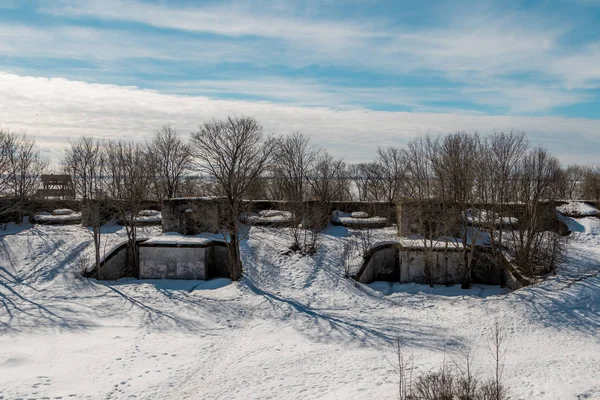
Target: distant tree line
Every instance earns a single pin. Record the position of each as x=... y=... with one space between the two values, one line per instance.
x=449 y=175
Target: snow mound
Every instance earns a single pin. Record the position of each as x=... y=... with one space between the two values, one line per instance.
x=272 y=213
x=63 y=211
x=149 y=217
x=175 y=239
x=478 y=217
x=48 y=218
x=578 y=209
x=362 y=221
x=148 y=213
x=267 y=217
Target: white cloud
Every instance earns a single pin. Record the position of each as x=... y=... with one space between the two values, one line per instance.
x=227 y=19
x=54 y=110
x=86 y=43
x=479 y=47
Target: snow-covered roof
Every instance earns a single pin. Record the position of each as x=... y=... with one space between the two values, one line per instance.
x=578 y=209
x=174 y=240
x=47 y=217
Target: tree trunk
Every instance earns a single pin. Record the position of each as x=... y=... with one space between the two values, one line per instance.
x=235 y=262
x=466 y=283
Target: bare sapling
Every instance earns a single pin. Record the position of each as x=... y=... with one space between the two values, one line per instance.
x=402 y=367
x=365 y=240
x=498 y=345
x=347 y=256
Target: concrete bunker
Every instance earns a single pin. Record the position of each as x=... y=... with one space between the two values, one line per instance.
x=166 y=257
x=438 y=265
x=179 y=257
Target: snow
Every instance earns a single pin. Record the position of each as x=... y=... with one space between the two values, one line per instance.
x=419 y=243
x=178 y=239
x=356 y=218
x=148 y=217
x=268 y=217
x=57 y=217
x=578 y=209
x=294 y=327
x=62 y=211
x=477 y=216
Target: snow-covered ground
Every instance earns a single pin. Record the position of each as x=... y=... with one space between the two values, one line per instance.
x=293 y=328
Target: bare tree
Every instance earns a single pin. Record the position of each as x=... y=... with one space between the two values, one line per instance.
x=170 y=158
x=505 y=151
x=129 y=186
x=20 y=169
x=591 y=183
x=467 y=384
x=327 y=179
x=294 y=159
x=403 y=367
x=5 y=150
x=535 y=247
x=25 y=165
x=456 y=164
x=234 y=153
x=359 y=179
x=420 y=173
x=498 y=346
x=85 y=161
x=391 y=163
x=328 y=182
x=573 y=177
x=367 y=180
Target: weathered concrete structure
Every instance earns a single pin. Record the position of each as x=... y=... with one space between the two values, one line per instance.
x=381 y=264
x=430 y=217
x=115 y=265
x=195 y=215
x=192 y=215
x=434 y=267
x=158 y=261
x=438 y=265
x=167 y=257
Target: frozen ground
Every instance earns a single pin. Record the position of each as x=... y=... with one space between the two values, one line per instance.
x=294 y=328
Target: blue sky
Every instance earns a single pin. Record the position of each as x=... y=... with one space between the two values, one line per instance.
x=407 y=60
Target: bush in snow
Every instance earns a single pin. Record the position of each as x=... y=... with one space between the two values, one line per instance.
x=452 y=381
x=82 y=263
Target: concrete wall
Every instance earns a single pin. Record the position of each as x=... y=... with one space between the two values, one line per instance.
x=205 y=214
x=31 y=206
x=439 y=268
x=510 y=281
x=317 y=213
x=114 y=265
x=191 y=215
x=393 y=263
x=424 y=218
x=35 y=205
x=159 y=262
x=166 y=261
x=412 y=215
x=217 y=261
x=382 y=266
